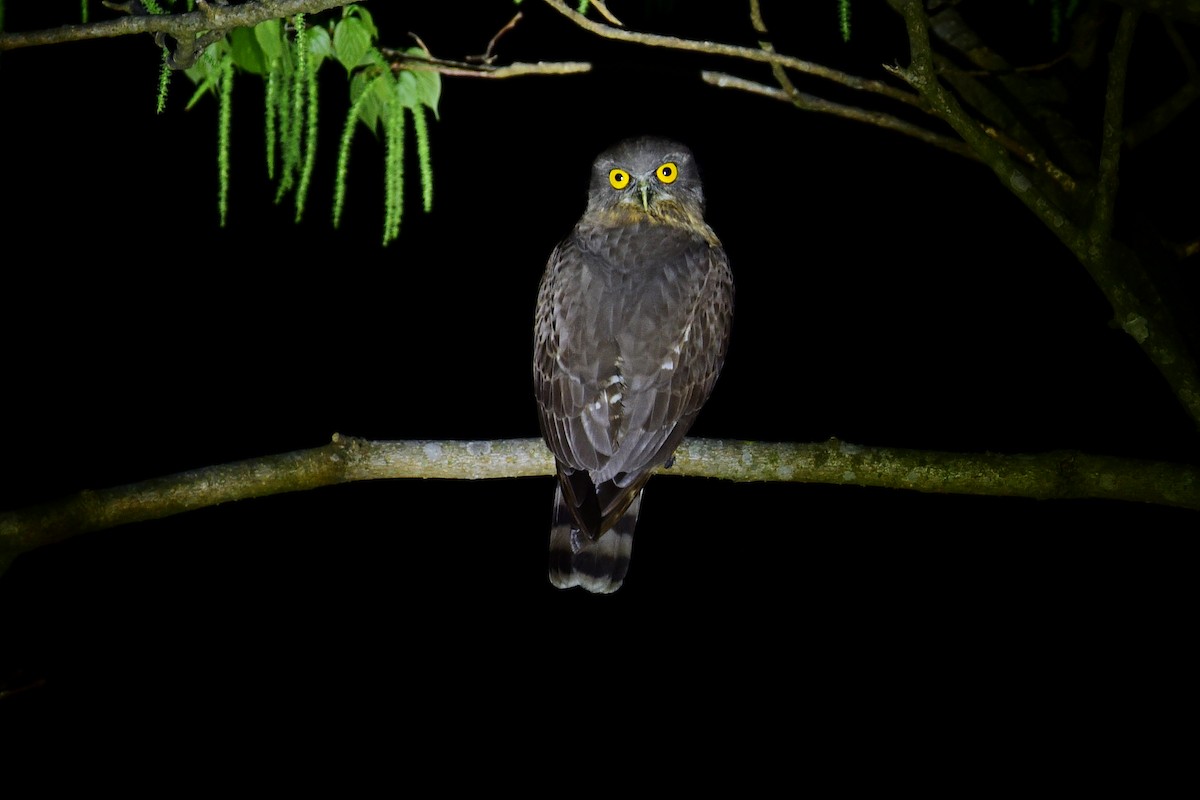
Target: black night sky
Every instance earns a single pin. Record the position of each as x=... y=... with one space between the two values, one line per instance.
x=888 y=294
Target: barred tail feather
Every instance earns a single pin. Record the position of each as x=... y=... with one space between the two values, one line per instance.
x=598 y=566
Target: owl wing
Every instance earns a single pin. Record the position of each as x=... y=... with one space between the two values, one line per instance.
x=632 y=328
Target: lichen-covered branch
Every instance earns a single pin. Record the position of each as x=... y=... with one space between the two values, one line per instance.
x=207 y=17
x=1055 y=475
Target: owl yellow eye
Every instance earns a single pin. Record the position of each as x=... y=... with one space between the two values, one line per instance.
x=619 y=178
x=668 y=172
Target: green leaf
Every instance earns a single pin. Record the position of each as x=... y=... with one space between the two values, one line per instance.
x=246 y=53
x=269 y=36
x=406 y=90
x=320 y=46
x=429 y=83
x=354 y=10
x=351 y=41
x=377 y=90
x=206 y=72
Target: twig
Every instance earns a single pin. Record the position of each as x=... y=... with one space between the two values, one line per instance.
x=760 y=28
x=808 y=102
x=1036 y=160
x=734 y=51
x=992 y=73
x=602 y=7
x=400 y=59
x=489 y=55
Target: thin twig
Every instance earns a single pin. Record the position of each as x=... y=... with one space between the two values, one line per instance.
x=1037 y=160
x=602 y=7
x=734 y=51
x=992 y=73
x=401 y=60
x=808 y=102
x=760 y=28
x=489 y=55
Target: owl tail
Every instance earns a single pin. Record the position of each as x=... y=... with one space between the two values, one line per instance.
x=598 y=566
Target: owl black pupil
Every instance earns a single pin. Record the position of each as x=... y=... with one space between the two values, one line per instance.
x=666 y=171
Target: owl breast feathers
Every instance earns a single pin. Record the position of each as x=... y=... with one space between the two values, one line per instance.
x=632 y=324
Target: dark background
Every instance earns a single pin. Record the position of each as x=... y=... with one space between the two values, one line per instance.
x=888 y=294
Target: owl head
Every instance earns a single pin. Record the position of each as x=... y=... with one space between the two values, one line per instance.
x=646 y=174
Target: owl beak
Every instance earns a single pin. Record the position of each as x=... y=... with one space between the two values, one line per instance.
x=644 y=191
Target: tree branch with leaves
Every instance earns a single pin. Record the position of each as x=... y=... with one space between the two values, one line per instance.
x=946 y=97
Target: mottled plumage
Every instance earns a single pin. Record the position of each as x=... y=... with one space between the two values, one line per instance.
x=632 y=323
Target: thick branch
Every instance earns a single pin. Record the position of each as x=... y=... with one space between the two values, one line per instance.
x=179 y=26
x=1056 y=475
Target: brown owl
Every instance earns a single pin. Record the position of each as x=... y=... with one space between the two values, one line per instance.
x=632 y=323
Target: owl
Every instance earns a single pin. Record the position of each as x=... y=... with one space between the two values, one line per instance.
x=630 y=332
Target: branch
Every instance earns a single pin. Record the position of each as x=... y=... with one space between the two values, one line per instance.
x=788 y=92
x=921 y=75
x=1054 y=475
x=482 y=66
x=808 y=102
x=760 y=28
x=467 y=69
x=1137 y=307
x=1182 y=99
x=1112 y=133
x=734 y=51
x=179 y=26
x=1004 y=95
x=1186 y=10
